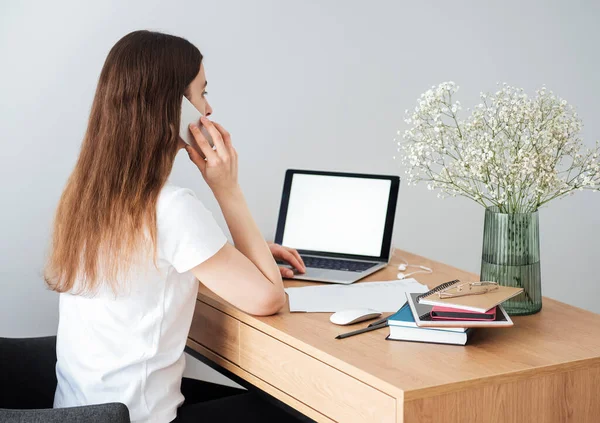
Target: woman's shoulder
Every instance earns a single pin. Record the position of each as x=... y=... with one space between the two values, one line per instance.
x=174 y=199
x=170 y=191
x=171 y=194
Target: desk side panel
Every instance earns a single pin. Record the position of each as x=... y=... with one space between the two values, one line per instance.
x=560 y=397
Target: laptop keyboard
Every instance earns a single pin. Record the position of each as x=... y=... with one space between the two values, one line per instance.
x=337 y=264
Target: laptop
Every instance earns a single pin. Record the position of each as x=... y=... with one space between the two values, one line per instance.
x=340 y=223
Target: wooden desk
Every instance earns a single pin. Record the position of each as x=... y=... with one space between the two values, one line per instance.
x=544 y=369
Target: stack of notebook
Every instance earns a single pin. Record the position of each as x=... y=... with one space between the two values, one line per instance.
x=429 y=318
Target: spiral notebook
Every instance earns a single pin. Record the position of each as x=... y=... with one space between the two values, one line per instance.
x=478 y=303
x=422 y=315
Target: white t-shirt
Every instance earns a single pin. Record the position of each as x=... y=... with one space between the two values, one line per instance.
x=129 y=348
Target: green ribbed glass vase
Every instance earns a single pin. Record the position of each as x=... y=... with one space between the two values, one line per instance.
x=511 y=257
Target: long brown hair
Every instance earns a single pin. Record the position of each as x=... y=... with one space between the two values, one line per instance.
x=107 y=212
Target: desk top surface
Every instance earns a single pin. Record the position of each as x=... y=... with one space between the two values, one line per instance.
x=559 y=337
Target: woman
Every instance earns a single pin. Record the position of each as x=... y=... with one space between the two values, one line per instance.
x=128 y=246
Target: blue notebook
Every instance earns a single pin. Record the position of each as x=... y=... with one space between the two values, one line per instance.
x=404 y=318
x=431 y=336
x=403 y=328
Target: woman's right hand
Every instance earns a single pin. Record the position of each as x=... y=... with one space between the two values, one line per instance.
x=220 y=168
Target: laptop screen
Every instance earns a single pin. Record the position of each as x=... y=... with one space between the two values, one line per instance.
x=337 y=214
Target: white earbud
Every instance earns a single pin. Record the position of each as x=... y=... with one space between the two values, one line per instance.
x=402 y=267
x=406 y=275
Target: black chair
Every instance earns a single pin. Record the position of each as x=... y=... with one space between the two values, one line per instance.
x=28 y=382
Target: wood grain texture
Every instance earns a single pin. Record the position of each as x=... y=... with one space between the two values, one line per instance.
x=560 y=397
x=259 y=383
x=216 y=331
x=560 y=340
x=335 y=394
x=557 y=337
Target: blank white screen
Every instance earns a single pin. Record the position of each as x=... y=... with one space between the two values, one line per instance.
x=337 y=214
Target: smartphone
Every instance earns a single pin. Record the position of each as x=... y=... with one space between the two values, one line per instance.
x=189 y=114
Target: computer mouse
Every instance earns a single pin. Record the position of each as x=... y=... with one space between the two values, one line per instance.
x=348 y=317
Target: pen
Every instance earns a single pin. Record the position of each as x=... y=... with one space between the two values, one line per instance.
x=363 y=330
x=378 y=322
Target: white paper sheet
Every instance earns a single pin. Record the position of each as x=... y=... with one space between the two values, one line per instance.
x=381 y=296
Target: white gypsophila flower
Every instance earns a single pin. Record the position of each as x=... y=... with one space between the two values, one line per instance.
x=513 y=152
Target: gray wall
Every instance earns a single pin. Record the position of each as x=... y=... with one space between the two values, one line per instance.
x=312 y=84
